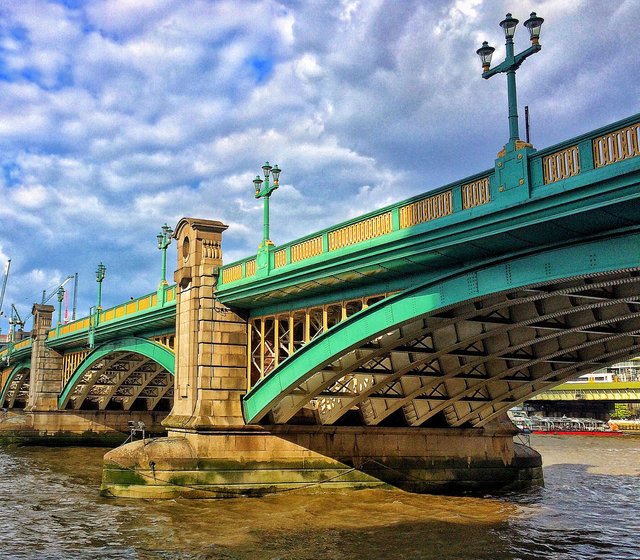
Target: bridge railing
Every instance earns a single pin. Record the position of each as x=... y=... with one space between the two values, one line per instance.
x=452 y=198
x=595 y=150
x=12 y=348
x=130 y=308
x=556 y=166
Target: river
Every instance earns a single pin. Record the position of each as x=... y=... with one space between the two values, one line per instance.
x=590 y=509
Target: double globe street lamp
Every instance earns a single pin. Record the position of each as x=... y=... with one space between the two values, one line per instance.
x=510 y=64
x=263 y=190
x=102 y=269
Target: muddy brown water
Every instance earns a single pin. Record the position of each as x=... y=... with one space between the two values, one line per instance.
x=590 y=508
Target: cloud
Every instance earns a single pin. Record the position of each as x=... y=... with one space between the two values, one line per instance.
x=117 y=116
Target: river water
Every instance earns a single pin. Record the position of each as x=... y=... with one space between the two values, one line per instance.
x=589 y=509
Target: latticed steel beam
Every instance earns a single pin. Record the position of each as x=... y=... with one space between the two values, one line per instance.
x=537 y=386
x=485 y=383
x=147 y=378
x=162 y=393
x=285 y=412
x=556 y=358
x=82 y=390
x=119 y=380
x=22 y=377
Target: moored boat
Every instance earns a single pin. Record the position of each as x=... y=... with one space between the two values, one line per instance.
x=564 y=426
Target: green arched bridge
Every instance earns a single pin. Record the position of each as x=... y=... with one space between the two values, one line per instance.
x=442 y=310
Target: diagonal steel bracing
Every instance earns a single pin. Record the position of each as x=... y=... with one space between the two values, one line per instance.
x=397 y=344
x=470 y=360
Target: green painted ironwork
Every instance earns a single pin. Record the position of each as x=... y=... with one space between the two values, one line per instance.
x=614 y=253
x=509 y=66
x=520 y=194
x=99 y=278
x=16 y=369
x=164 y=240
x=141 y=346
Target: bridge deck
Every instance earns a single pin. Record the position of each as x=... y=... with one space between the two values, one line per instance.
x=555 y=195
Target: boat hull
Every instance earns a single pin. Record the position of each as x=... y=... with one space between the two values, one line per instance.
x=576 y=433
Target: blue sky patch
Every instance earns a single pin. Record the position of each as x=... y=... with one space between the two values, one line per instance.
x=261 y=67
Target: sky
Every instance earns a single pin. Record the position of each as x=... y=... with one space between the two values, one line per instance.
x=117 y=116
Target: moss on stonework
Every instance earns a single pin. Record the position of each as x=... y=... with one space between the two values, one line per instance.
x=231 y=465
x=61 y=439
x=115 y=474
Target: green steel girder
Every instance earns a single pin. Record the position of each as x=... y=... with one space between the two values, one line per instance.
x=300 y=375
x=150 y=322
x=17 y=355
x=404 y=259
x=515 y=221
x=143 y=347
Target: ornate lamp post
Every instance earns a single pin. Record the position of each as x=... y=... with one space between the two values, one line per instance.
x=164 y=240
x=99 y=278
x=60 y=299
x=510 y=64
x=264 y=192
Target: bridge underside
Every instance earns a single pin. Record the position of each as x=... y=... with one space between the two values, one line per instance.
x=469 y=363
x=130 y=374
x=16 y=394
x=466 y=363
x=123 y=381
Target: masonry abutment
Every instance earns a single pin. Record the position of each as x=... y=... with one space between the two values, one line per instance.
x=45 y=382
x=211 y=340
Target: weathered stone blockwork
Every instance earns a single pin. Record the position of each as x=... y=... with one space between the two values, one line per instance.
x=46 y=364
x=256 y=461
x=211 y=340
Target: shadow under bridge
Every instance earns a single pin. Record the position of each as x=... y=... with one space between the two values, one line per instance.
x=128 y=374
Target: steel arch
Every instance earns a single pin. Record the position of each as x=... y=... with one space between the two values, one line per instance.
x=306 y=374
x=151 y=350
x=17 y=369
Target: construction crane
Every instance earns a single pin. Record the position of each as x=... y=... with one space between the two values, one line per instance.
x=4 y=285
x=46 y=298
x=15 y=317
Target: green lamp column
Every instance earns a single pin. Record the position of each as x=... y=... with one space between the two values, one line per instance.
x=509 y=66
x=60 y=300
x=263 y=190
x=99 y=278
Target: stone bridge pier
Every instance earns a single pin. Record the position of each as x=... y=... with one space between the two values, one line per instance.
x=211 y=452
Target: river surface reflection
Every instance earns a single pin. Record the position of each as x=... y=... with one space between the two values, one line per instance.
x=50 y=508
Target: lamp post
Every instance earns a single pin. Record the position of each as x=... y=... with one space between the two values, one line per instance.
x=510 y=64
x=164 y=240
x=99 y=278
x=60 y=299
x=264 y=192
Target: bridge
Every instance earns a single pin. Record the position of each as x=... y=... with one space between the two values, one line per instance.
x=614 y=392
x=385 y=349
x=109 y=368
x=595 y=397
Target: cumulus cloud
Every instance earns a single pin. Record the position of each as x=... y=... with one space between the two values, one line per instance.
x=117 y=116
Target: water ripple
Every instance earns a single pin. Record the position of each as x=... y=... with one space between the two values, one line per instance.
x=50 y=509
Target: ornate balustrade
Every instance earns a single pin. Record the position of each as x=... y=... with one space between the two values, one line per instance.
x=590 y=152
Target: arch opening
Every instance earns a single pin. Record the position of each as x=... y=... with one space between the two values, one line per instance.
x=128 y=375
